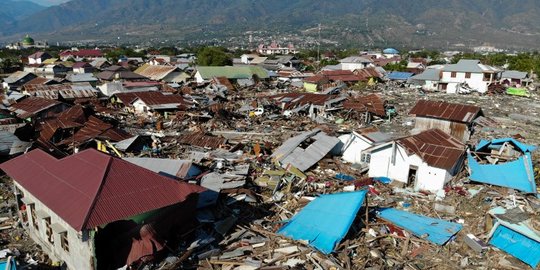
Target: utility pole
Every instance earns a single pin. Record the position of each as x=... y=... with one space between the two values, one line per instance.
x=319 y=45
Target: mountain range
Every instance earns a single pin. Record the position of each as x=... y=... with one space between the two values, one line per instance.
x=12 y=11
x=506 y=23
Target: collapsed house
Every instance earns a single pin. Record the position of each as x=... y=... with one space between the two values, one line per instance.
x=503 y=162
x=425 y=161
x=454 y=119
x=516 y=232
x=94 y=211
x=304 y=150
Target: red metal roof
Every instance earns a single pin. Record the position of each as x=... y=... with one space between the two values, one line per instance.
x=90 y=188
x=447 y=111
x=435 y=147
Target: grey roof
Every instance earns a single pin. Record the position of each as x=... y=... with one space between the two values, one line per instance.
x=290 y=151
x=84 y=77
x=125 y=144
x=355 y=59
x=469 y=65
x=428 y=75
x=378 y=137
x=214 y=182
x=11 y=145
x=174 y=168
x=514 y=74
x=16 y=76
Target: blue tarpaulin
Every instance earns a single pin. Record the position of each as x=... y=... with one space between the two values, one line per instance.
x=517 y=245
x=326 y=220
x=8 y=264
x=517 y=174
x=437 y=231
x=399 y=76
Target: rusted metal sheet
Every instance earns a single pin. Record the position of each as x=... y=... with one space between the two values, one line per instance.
x=202 y=140
x=32 y=105
x=448 y=111
x=435 y=147
x=371 y=103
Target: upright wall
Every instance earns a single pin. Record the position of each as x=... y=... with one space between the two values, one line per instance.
x=80 y=254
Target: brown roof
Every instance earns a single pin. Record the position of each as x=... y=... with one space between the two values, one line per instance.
x=91 y=188
x=31 y=106
x=70 y=118
x=371 y=103
x=202 y=140
x=435 y=147
x=447 y=111
x=95 y=128
x=38 y=80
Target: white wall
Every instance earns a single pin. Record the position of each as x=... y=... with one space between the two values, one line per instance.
x=476 y=81
x=352 y=66
x=198 y=77
x=353 y=147
x=80 y=252
x=427 y=177
x=139 y=106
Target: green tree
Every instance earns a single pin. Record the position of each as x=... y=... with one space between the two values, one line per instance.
x=213 y=56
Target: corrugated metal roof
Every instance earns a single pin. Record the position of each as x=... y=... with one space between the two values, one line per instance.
x=169 y=167
x=469 y=65
x=10 y=144
x=371 y=103
x=202 y=140
x=32 y=105
x=90 y=188
x=303 y=157
x=435 y=147
x=16 y=76
x=154 y=72
x=67 y=91
x=95 y=128
x=447 y=111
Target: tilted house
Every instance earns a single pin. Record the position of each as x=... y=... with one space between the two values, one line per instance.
x=425 y=161
x=94 y=211
x=454 y=119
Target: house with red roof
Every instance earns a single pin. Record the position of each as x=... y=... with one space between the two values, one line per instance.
x=94 y=211
x=80 y=55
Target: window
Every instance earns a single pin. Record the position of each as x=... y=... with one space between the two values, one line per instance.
x=48 y=229
x=64 y=241
x=34 y=216
x=467 y=75
x=453 y=74
x=366 y=158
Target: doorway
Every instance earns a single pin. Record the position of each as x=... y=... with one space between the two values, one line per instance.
x=411 y=178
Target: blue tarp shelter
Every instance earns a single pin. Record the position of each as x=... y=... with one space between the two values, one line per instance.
x=435 y=230
x=517 y=174
x=326 y=220
x=516 y=238
x=399 y=76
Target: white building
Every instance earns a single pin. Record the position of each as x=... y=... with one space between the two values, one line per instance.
x=38 y=58
x=425 y=161
x=355 y=143
x=275 y=48
x=468 y=75
x=353 y=63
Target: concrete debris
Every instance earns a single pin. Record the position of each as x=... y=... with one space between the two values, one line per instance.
x=339 y=178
